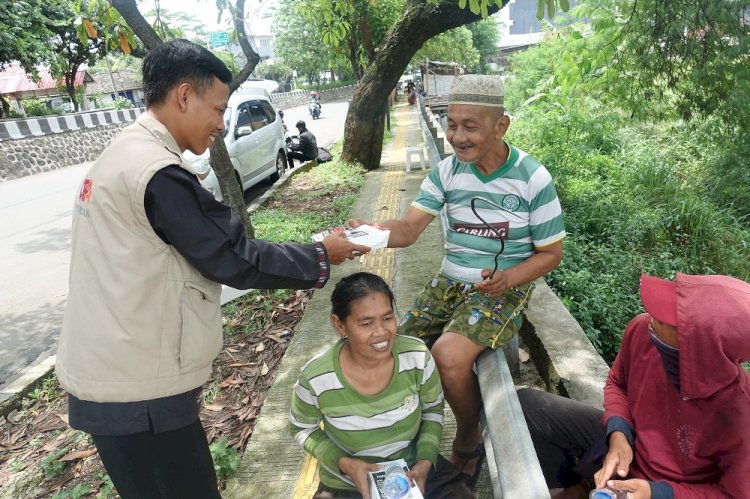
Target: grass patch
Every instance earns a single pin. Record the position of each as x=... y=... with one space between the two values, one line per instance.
x=319 y=198
x=636 y=198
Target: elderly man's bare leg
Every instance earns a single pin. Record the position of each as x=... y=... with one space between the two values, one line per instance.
x=454 y=355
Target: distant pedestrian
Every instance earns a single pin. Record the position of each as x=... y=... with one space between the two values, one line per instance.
x=304 y=150
x=150 y=248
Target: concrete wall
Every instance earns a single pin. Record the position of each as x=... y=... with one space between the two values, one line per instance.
x=38 y=145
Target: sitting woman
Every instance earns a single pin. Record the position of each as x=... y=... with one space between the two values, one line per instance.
x=379 y=398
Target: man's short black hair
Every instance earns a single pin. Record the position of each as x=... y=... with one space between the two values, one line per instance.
x=180 y=61
x=301 y=124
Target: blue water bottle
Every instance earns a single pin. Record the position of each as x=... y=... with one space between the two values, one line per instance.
x=607 y=493
x=396 y=484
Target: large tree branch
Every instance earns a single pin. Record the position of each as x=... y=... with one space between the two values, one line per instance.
x=363 y=132
x=129 y=11
x=251 y=56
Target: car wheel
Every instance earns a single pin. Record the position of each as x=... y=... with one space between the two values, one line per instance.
x=280 y=167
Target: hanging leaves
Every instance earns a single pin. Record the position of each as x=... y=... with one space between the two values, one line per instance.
x=124 y=45
x=89 y=26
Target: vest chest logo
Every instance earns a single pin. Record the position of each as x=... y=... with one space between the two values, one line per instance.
x=84 y=196
x=86 y=188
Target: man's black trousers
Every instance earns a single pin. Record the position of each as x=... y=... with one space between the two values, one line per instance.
x=569 y=439
x=173 y=464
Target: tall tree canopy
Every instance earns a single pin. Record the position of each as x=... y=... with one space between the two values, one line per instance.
x=452 y=46
x=25 y=31
x=695 y=53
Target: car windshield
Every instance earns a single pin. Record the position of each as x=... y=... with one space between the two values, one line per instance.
x=227 y=121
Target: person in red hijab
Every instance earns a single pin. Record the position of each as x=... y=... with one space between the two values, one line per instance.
x=676 y=420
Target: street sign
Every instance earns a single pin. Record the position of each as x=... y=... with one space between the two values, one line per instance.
x=218 y=39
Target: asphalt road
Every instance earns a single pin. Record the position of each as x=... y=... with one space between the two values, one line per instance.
x=35 y=218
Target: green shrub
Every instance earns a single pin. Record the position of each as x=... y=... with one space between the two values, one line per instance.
x=37 y=107
x=636 y=198
x=122 y=103
x=225 y=458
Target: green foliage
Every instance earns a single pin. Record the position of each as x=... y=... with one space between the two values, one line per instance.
x=481 y=6
x=293 y=36
x=25 y=32
x=280 y=225
x=107 y=489
x=455 y=45
x=484 y=38
x=693 y=56
x=37 y=107
x=50 y=464
x=122 y=103
x=225 y=458
x=331 y=85
x=637 y=196
x=80 y=490
x=277 y=71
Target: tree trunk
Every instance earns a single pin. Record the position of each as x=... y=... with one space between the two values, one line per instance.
x=129 y=11
x=363 y=131
x=220 y=161
x=5 y=110
x=70 y=86
x=353 y=59
x=229 y=184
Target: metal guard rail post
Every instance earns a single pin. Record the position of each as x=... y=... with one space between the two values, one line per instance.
x=512 y=461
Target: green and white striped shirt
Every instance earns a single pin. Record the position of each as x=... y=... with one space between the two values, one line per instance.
x=405 y=421
x=531 y=217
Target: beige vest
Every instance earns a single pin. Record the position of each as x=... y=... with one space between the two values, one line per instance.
x=140 y=321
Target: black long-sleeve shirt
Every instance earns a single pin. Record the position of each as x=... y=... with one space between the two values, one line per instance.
x=308 y=145
x=209 y=236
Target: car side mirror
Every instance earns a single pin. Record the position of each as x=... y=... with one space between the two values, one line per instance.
x=243 y=131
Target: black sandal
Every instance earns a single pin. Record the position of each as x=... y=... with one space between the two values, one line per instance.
x=478 y=454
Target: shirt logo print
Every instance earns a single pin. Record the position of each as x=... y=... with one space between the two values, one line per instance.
x=686 y=439
x=410 y=403
x=511 y=202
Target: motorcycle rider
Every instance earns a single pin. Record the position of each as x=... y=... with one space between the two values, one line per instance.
x=314 y=99
x=306 y=149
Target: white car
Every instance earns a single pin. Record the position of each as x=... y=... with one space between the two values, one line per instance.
x=254 y=135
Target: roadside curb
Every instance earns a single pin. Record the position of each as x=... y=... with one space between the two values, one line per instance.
x=30 y=378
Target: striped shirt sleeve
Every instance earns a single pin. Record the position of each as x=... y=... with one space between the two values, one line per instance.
x=432 y=402
x=305 y=418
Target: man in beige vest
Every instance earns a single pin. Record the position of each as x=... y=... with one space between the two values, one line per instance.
x=150 y=251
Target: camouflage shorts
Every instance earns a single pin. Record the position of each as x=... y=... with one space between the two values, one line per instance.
x=445 y=305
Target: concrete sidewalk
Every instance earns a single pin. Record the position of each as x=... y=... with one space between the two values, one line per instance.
x=274 y=465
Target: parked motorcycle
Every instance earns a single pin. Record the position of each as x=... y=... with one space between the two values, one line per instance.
x=314 y=109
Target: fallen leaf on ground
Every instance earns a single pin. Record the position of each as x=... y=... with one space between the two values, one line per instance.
x=79 y=454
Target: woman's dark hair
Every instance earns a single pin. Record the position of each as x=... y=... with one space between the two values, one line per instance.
x=180 y=61
x=354 y=287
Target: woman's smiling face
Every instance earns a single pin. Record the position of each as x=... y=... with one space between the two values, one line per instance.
x=370 y=326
